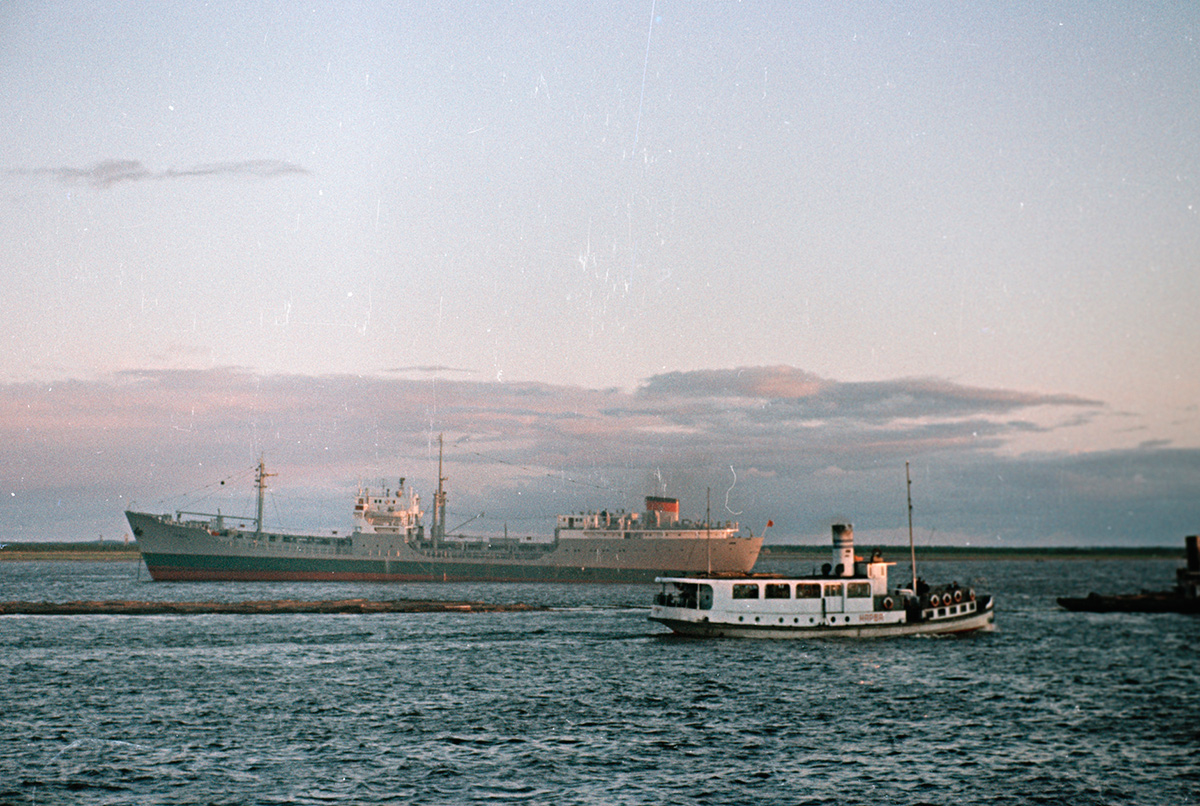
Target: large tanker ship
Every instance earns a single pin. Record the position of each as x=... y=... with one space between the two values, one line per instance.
x=389 y=542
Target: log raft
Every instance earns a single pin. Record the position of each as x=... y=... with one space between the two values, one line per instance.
x=274 y=606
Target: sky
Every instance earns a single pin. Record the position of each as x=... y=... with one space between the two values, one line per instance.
x=756 y=255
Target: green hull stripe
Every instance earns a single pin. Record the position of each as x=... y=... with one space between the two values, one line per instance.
x=241 y=567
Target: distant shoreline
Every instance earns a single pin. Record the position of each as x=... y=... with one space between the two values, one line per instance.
x=983 y=554
x=122 y=552
x=90 y=552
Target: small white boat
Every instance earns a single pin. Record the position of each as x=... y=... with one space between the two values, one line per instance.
x=850 y=598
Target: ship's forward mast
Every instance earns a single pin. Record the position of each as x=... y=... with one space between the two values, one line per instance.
x=260 y=483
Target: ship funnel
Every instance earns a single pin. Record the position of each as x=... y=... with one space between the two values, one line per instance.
x=1193 y=553
x=661 y=511
x=843 y=549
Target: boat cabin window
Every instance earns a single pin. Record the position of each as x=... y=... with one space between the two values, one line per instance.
x=833 y=590
x=778 y=590
x=858 y=590
x=686 y=594
x=745 y=590
x=808 y=590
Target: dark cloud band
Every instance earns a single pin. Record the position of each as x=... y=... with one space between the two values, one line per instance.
x=800 y=446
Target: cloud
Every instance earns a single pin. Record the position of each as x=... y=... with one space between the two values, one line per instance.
x=769 y=442
x=107 y=173
x=871 y=401
x=769 y=415
x=430 y=369
x=776 y=383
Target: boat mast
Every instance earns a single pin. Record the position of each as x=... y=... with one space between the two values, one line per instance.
x=439 y=502
x=708 y=528
x=261 y=483
x=912 y=549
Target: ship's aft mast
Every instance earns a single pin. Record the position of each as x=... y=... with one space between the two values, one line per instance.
x=260 y=482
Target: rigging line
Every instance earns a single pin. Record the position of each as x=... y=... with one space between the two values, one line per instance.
x=548 y=475
x=278 y=515
x=502 y=518
x=211 y=488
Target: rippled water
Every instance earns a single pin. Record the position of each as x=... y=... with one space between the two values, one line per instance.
x=590 y=702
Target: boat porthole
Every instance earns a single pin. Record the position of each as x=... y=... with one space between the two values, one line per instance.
x=781 y=621
x=741 y=618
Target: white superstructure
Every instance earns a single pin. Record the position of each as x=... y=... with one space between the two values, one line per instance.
x=387 y=511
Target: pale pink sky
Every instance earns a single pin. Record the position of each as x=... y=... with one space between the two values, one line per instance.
x=595 y=198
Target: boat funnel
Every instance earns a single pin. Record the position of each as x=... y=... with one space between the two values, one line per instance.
x=1193 y=553
x=843 y=549
x=661 y=511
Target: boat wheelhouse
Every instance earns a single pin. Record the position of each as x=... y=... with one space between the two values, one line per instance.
x=850 y=598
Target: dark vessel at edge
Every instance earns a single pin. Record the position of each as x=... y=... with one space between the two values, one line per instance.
x=1184 y=598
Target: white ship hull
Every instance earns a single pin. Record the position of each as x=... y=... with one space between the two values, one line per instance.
x=862 y=625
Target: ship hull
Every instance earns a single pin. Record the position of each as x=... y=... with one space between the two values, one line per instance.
x=176 y=568
x=1132 y=603
x=182 y=552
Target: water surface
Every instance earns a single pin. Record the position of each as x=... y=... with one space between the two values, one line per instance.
x=590 y=702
